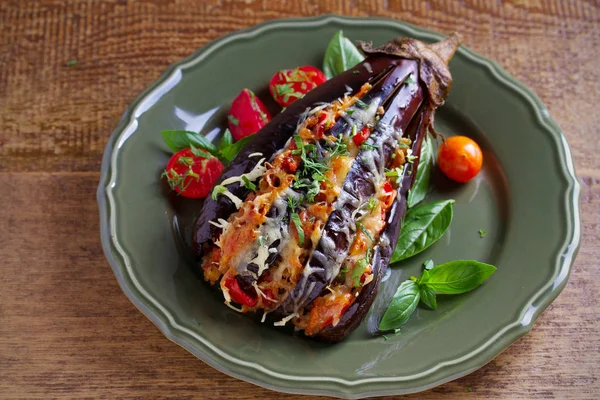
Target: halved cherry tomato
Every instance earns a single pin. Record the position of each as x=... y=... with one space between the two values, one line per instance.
x=238 y=295
x=247 y=115
x=460 y=158
x=361 y=136
x=289 y=85
x=192 y=173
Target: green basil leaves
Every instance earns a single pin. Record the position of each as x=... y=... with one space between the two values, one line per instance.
x=341 y=55
x=226 y=151
x=458 y=276
x=423 y=179
x=402 y=306
x=450 y=278
x=423 y=226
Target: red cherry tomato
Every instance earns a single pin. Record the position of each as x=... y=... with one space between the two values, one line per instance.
x=289 y=85
x=361 y=136
x=247 y=115
x=238 y=295
x=192 y=175
x=460 y=158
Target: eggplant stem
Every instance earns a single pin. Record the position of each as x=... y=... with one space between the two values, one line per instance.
x=447 y=47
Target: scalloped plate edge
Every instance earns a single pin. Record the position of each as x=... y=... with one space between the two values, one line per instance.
x=176 y=333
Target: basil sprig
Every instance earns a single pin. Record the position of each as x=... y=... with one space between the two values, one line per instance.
x=341 y=55
x=454 y=277
x=225 y=151
x=423 y=226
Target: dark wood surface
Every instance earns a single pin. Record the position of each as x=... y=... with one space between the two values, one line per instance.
x=67 y=330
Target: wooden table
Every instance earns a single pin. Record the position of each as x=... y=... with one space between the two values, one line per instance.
x=67 y=330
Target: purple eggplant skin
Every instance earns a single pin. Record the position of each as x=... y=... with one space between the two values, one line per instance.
x=272 y=138
x=401 y=106
x=382 y=253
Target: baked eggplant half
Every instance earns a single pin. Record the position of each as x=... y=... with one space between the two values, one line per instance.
x=302 y=224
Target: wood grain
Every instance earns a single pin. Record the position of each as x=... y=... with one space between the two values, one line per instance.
x=67 y=330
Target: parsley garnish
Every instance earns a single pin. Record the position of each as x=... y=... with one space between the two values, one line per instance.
x=72 y=63
x=246 y=182
x=367 y=146
x=409 y=80
x=360 y=267
x=298 y=224
x=217 y=191
x=361 y=104
x=371 y=204
x=396 y=173
x=233 y=120
x=365 y=231
x=482 y=233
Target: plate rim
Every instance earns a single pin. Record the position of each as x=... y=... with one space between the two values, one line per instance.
x=475 y=359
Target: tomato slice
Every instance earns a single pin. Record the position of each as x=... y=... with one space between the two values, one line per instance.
x=247 y=115
x=192 y=173
x=288 y=85
x=238 y=295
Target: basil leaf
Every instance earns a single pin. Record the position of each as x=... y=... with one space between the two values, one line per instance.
x=226 y=140
x=341 y=55
x=428 y=296
x=401 y=307
x=179 y=140
x=423 y=226
x=228 y=153
x=423 y=179
x=458 y=276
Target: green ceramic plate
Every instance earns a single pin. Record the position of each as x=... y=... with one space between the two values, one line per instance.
x=526 y=198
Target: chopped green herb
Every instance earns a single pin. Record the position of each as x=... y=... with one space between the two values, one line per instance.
x=294 y=202
x=298 y=224
x=365 y=231
x=246 y=183
x=233 y=120
x=482 y=233
x=187 y=161
x=217 y=191
x=469 y=389
x=361 y=104
x=409 y=80
x=354 y=130
x=72 y=63
x=396 y=173
x=356 y=72
x=367 y=146
x=371 y=204
x=350 y=111
x=384 y=337
x=360 y=267
x=261 y=240
x=199 y=153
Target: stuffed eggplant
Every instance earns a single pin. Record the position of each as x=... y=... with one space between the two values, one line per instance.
x=303 y=222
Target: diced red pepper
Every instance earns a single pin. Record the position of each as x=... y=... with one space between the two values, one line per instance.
x=387 y=187
x=238 y=295
x=361 y=136
x=290 y=165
